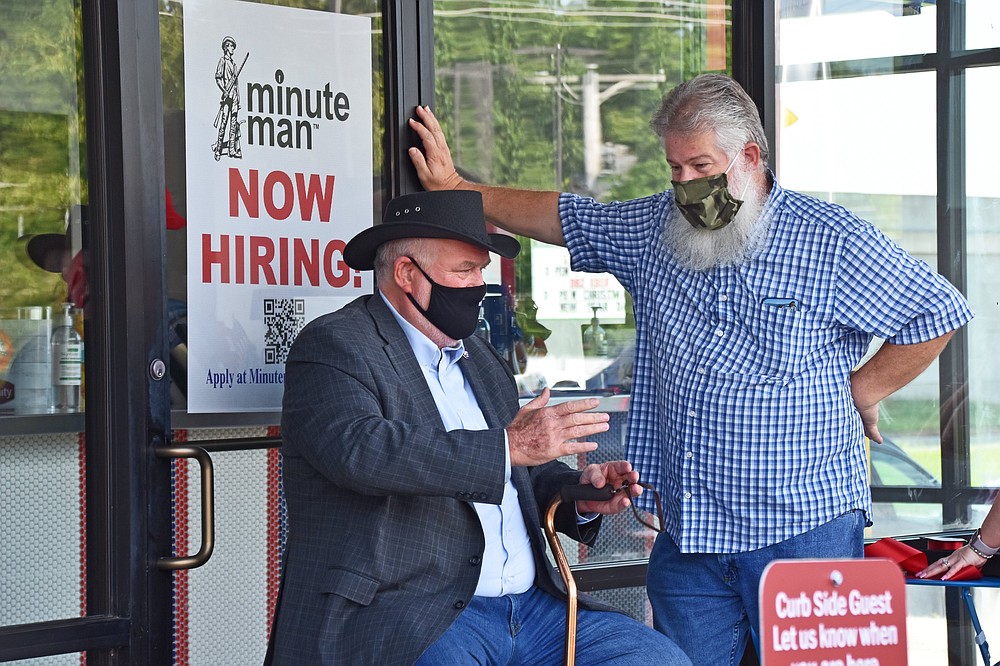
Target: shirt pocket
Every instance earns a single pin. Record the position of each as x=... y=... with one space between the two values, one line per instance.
x=784 y=329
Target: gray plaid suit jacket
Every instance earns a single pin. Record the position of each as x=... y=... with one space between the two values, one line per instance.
x=384 y=547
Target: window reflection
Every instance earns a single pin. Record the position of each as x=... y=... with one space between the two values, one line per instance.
x=42 y=210
x=558 y=98
x=43 y=265
x=983 y=210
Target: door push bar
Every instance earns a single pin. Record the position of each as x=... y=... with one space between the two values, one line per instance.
x=207 y=508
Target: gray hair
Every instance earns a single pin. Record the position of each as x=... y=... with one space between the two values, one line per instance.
x=388 y=252
x=715 y=103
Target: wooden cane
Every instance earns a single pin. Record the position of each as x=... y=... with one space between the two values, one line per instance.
x=570 y=494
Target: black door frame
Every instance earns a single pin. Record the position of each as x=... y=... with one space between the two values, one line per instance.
x=129 y=514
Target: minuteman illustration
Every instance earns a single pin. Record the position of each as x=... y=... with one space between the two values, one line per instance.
x=227 y=76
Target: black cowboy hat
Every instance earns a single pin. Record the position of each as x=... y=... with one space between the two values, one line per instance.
x=453 y=214
x=47 y=251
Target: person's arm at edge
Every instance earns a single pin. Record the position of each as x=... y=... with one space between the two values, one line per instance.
x=949 y=566
x=525 y=212
x=990 y=531
x=890 y=369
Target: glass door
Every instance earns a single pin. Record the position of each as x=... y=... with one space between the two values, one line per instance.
x=251 y=62
x=83 y=397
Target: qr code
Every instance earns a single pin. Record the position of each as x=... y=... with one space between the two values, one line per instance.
x=283 y=319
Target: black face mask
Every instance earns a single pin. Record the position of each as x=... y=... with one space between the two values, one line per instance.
x=453 y=310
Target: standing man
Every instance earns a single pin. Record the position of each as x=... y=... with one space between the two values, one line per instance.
x=753 y=307
x=227 y=119
x=414 y=483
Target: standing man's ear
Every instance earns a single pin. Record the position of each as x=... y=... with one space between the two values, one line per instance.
x=751 y=152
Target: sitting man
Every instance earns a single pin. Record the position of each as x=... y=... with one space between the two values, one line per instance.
x=415 y=484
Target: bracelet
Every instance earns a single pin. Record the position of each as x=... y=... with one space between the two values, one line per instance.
x=979 y=547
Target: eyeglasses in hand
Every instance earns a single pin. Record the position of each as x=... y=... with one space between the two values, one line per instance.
x=641 y=515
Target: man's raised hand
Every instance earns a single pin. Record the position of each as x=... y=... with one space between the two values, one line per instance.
x=434 y=165
x=540 y=432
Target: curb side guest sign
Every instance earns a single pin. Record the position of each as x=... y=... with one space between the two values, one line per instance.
x=278 y=124
x=833 y=613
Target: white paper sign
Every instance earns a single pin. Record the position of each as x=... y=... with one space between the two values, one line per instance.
x=279 y=177
x=561 y=293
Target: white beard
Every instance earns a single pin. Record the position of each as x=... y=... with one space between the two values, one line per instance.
x=702 y=249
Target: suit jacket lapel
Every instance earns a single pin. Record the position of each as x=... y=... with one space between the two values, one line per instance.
x=476 y=368
x=400 y=354
x=475 y=374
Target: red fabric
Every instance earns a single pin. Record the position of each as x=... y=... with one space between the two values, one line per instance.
x=75 y=275
x=174 y=219
x=944 y=544
x=911 y=560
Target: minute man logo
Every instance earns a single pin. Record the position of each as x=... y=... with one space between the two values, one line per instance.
x=278 y=115
x=227 y=78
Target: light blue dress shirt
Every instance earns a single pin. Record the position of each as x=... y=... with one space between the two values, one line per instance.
x=508 y=564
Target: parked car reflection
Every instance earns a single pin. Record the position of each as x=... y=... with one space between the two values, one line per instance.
x=892 y=467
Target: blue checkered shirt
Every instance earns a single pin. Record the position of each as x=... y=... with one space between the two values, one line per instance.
x=741 y=412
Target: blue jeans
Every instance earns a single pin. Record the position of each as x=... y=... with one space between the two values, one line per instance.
x=707 y=602
x=530 y=628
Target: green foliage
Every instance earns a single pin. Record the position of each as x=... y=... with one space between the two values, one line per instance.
x=42 y=137
x=508 y=89
x=508 y=81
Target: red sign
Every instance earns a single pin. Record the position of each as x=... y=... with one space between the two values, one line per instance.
x=6 y=351
x=833 y=613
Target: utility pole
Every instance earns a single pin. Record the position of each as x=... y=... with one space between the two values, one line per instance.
x=593 y=97
x=558 y=123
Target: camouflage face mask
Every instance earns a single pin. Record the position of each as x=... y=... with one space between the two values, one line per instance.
x=707 y=202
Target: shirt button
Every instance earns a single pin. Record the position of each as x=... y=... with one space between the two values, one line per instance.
x=687 y=495
x=719 y=332
x=701 y=371
x=723 y=297
x=474 y=560
x=689 y=455
x=459 y=605
x=692 y=413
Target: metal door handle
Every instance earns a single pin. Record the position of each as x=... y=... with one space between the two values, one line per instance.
x=207 y=508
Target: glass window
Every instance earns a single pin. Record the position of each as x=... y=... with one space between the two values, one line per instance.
x=817 y=35
x=865 y=139
x=982 y=89
x=558 y=96
x=172 y=54
x=982 y=24
x=841 y=140
x=853 y=128
x=42 y=209
x=43 y=233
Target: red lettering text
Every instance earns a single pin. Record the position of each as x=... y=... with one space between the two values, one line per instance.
x=282 y=261
x=280 y=195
